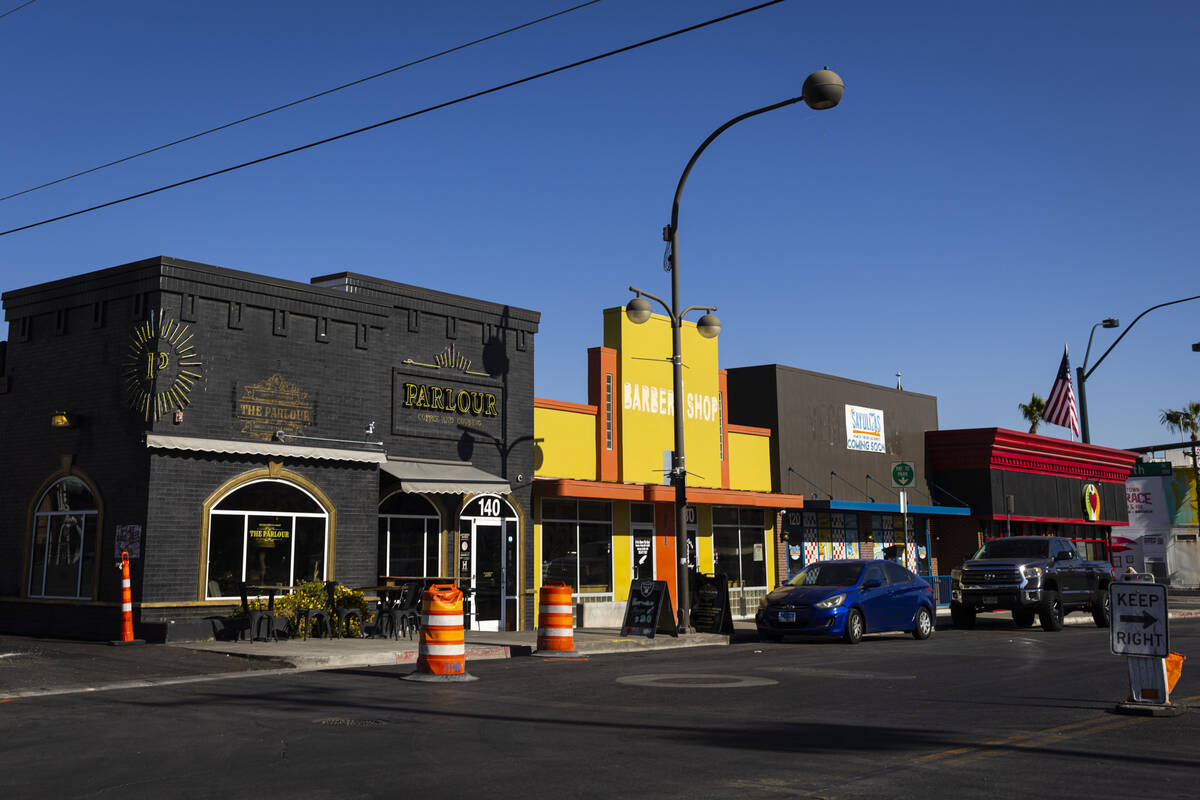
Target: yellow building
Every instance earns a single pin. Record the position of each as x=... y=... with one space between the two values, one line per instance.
x=603 y=506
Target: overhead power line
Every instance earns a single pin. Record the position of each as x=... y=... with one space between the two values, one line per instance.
x=402 y=117
x=295 y=102
x=18 y=8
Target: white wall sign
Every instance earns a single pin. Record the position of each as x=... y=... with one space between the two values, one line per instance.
x=1147 y=503
x=864 y=429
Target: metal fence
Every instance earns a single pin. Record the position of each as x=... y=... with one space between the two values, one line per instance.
x=941 y=588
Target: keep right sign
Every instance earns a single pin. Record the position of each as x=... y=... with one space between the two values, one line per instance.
x=1139 y=619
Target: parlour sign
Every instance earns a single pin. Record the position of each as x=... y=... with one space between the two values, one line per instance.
x=275 y=404
x=444 y=398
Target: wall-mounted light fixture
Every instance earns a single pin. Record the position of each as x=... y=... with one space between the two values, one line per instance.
x=61 y=419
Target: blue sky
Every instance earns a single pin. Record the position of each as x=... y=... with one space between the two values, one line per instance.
x=999 y=177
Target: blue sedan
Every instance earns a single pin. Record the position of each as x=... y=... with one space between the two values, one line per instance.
x=847 y=599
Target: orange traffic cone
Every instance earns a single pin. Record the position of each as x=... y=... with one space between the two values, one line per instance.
x=126 y=605
x=441 y=651
x=556 y=621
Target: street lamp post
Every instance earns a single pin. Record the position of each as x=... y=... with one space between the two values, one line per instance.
x=822 y=89
x=1111 y=322
x=1083 y=376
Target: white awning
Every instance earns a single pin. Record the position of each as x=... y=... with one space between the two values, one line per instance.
x=253 y=447
x=443 y=477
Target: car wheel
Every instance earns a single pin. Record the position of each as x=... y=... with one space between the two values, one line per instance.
x=1023 y=617
x=854 y=627
x=962 y=616
x=1102 y=611
x=1051 y=612
x=923 y=628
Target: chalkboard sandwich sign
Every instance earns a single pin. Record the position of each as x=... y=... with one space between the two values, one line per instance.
x=649 y=610
x=710 y=605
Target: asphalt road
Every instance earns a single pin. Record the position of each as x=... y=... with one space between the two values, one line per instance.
x=995 y=712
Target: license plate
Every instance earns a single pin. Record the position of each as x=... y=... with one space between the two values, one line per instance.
x=989 y=600
x=787 y=616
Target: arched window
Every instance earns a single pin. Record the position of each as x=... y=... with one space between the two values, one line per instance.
x=410 y=531
x=265 y=532
x=62 y=559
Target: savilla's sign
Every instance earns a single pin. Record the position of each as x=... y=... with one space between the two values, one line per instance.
x=864 y=429
x=1139 y=620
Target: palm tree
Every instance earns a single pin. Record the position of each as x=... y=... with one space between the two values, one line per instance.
x=1186 y=420
x=1032 y=411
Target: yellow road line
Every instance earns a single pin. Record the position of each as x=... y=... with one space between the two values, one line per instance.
x=970 y=753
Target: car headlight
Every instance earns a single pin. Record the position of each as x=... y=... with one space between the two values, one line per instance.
x=832 y=602
x=1032 y=574
x=762 y=602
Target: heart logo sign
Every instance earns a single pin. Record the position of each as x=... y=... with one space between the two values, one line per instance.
x=1091 y=502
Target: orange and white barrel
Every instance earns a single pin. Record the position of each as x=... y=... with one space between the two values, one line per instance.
x=441 y=650
x=556 y=621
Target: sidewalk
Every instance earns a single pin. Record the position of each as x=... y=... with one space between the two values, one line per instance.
x=480 y=645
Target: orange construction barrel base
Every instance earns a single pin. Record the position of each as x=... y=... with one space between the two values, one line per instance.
x=427 y=677
x=130 y=641
x=556 y=653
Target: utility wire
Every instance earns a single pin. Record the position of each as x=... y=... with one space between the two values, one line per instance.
x=295 y=102
x=393 y=120
x=18 y=8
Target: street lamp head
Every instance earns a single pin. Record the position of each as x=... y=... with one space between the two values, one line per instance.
x=1111 y=322
x=708 y=326
x=638 y=310
x=1196 y=347
x=823 y=89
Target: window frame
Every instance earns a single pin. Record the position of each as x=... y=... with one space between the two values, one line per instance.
x=438 y=530
x=578 y=521
x=227 y=491
x=90 y=520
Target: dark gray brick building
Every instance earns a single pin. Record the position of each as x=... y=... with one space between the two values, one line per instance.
x=222 y=426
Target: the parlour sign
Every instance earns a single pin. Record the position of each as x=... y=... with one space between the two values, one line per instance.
x=271 y=406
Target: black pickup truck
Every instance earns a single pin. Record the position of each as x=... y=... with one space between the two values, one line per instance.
x=1029 y=575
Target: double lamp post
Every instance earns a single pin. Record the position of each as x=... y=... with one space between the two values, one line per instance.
x=822 y=89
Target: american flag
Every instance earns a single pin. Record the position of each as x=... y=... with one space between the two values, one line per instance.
x=1060 y=406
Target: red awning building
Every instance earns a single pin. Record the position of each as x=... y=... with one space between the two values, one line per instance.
x=1023 y=484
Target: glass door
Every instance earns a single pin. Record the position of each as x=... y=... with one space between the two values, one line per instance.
x=488 y=563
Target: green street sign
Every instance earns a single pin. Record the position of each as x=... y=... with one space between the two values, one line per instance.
x=903 y=474
x=1143 y=469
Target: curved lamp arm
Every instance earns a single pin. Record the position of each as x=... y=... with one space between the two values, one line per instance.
x=1127 y=330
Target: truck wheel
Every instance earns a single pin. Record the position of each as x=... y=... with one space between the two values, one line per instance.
x=923 y=628
x=1102 y=611
x=1023 y=617
x=854 y=627
x=962 y=616
x=1051 y=612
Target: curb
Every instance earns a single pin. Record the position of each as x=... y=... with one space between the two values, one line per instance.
x=1078 y=618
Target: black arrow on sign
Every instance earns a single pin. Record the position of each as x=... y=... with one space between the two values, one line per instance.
x=1145 y=619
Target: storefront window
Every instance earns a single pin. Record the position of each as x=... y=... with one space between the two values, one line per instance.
x=266 y=533
x=577 y=545
x=63 y=547
x=739 y=546
x=410 y=534
x=887 y=530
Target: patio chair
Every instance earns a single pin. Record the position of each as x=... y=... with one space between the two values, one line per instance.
x=344 y=615
x=309 y=618
x=406 y=613
x=256 y=618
